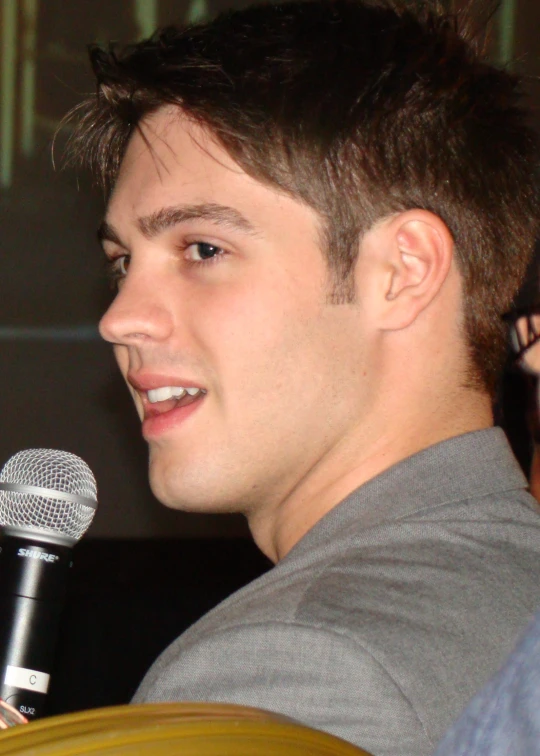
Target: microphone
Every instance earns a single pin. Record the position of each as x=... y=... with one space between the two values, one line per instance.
x=48 y=499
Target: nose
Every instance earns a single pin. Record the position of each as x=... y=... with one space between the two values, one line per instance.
x=139 y=313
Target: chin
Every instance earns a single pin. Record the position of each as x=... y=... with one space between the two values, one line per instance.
x=181 y=488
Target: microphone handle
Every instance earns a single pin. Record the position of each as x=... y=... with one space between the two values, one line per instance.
x=33 y=582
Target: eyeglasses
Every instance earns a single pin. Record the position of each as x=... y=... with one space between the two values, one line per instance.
x=524 y=326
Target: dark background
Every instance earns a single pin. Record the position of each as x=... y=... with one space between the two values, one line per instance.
x=143 y=573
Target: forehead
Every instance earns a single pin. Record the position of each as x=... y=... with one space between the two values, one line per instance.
x=171 y=161
x=167 y=147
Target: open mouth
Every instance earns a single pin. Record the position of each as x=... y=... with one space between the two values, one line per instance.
x=167 y=398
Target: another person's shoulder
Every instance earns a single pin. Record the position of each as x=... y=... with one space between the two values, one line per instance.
x=504 y=718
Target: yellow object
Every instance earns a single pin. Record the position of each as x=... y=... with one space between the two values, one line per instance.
x=183 y=729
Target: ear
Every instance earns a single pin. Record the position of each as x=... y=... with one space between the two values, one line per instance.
x=416 y=256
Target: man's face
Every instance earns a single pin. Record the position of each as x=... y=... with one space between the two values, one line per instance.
x=224 y=293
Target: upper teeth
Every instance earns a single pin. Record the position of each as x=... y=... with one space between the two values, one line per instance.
x=170 y=392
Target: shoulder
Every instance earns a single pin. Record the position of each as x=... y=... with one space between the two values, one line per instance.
x=313 y=674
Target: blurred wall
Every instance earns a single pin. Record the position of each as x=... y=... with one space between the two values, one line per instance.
x=58 y=384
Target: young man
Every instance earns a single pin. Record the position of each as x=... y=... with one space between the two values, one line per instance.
x=318 y=214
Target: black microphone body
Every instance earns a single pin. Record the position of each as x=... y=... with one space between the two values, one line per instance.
x=48 y=499
x=33 y=584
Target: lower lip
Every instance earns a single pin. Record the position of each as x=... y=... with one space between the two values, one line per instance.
x=157 y=425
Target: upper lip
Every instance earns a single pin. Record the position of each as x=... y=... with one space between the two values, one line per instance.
x=144 y=382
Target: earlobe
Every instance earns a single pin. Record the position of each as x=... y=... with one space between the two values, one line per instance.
x=420 y=253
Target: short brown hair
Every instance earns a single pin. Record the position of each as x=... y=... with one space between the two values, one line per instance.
x=359 y=109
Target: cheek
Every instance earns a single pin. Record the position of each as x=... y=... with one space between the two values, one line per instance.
x=272 y=365
x=254 y=331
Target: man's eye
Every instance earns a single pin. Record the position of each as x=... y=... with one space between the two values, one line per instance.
x=117 y=268
x=202 y=251
x=122 y=264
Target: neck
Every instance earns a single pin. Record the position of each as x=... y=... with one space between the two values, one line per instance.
x=390 y=432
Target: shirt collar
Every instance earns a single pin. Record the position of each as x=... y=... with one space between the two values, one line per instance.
x=468 y=466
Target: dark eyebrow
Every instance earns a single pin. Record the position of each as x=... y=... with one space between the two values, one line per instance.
x=155 y=223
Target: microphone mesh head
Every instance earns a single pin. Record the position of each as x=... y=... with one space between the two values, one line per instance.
x=56 y=471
